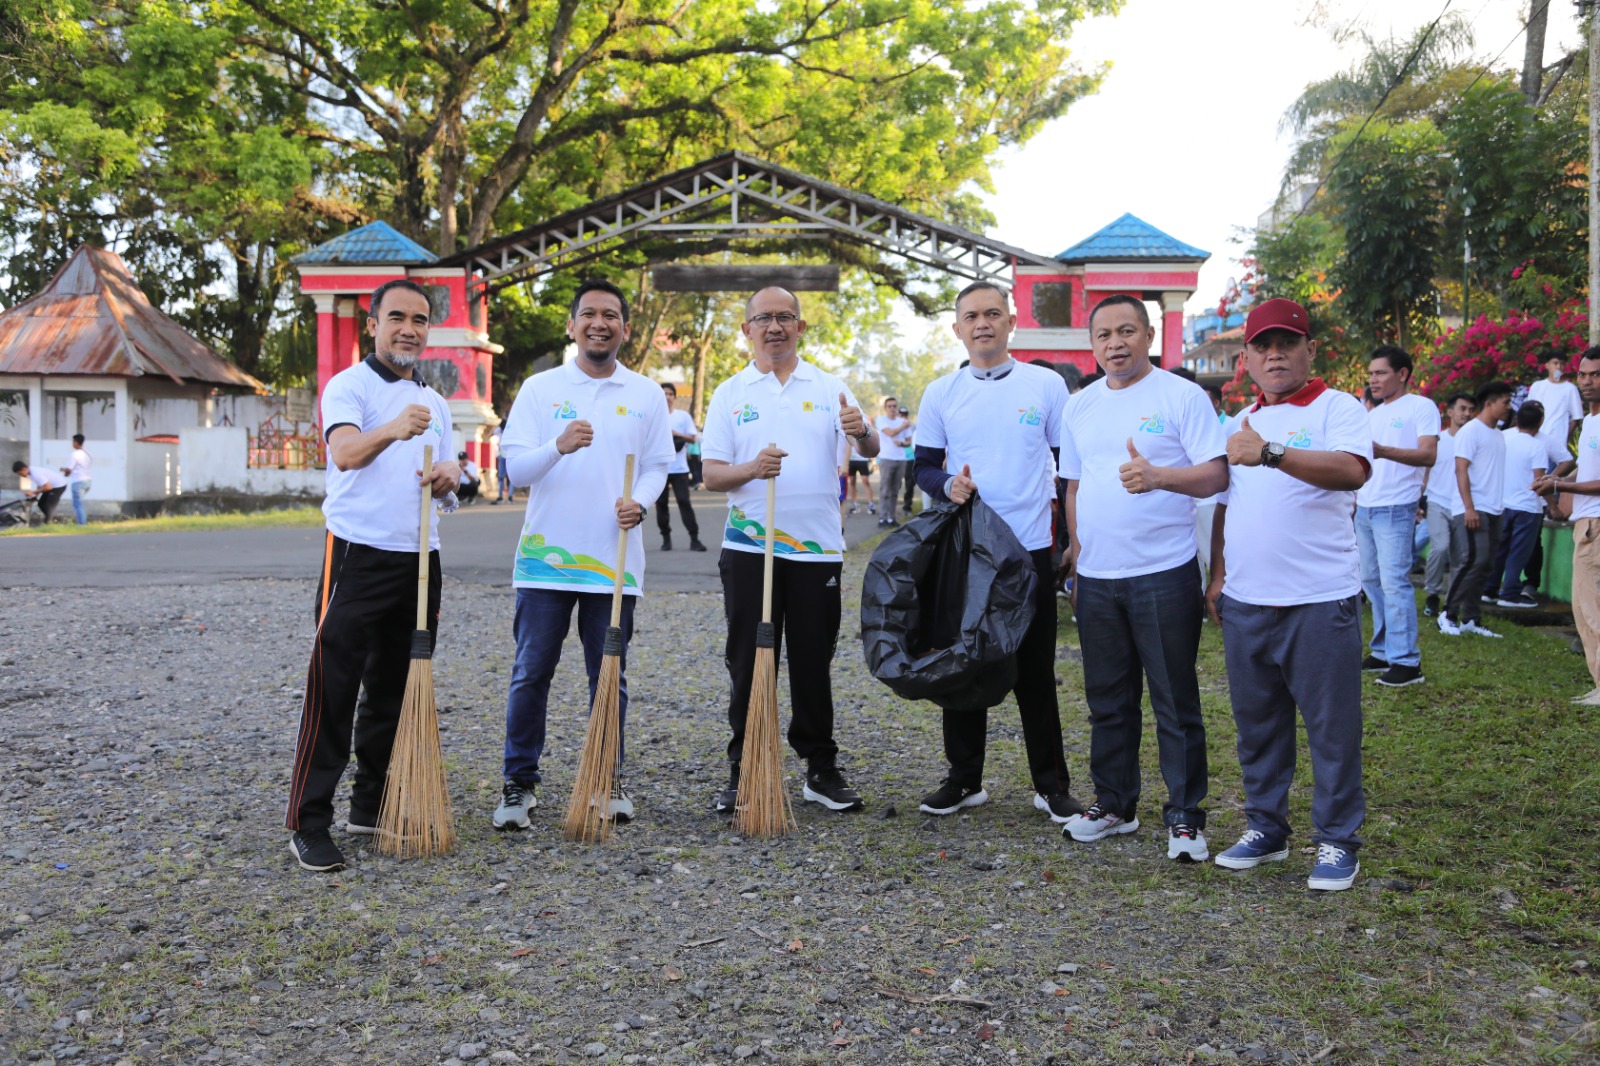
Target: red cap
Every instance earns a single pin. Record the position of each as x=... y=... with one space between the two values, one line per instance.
x=1276 y=314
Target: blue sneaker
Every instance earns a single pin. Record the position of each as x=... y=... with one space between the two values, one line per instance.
x=1252 y=850
x=1335 y=871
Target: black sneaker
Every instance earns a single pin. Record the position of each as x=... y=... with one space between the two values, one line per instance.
x=1058 y=805
x=728 y=797
x=1431 y=606
x=950 y=797
x=1398 y=676
x=1374 y=665
x=696 y=546
x=315 y=850
x=828 y=787
x=666 y=544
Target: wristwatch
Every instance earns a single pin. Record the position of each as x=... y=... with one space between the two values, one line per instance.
x=1271 y=454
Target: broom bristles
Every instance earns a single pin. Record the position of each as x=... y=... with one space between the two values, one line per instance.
x=762 y=807
x=415 y=819
x=588 y=809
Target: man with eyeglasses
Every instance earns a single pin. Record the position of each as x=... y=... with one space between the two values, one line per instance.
x=782 y=417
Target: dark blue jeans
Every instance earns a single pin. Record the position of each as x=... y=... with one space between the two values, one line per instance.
x=542 y=620
x=1131 y=629
x=1517 y=537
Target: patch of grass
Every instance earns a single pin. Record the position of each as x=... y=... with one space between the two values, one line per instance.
x=299 y=516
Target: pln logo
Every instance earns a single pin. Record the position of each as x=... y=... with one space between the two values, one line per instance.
x=1301 y=439
x=809 y=406
x=623 y=410
x=1152 y=424
x=1029 y=416
x=747 y=413
x=564 y=410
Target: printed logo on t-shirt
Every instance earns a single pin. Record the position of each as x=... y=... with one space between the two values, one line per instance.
x=742 y=529
x=1397 y=423
x=624 y=410
x=1592 y=443
x=551 y=564
x=1030 y=416
x=816 y=405
x=564 y=409
x=1152 y=424
x=747 y=413
x=1301 y=439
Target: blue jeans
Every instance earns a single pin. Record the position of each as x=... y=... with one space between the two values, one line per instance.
x=540 y=626
x=80 y=489
x=1131 y=630
x=1517 y=537
x=1384 y=536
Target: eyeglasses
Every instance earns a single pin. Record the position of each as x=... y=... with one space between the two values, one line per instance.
x=782 y=318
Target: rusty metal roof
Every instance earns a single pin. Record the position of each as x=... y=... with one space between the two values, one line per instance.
x=92 y=318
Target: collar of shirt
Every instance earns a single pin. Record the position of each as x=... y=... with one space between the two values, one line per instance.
x=802 y=370
x=992 y=373
x=1302 y=398
x=578 y=376
x=377 y=366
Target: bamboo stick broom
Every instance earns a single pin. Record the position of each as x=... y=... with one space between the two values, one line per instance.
x=589 y=809
x=415 y=818
x=762 y=806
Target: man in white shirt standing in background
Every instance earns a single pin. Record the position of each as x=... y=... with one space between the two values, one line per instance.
x=1440 y=501
x=568 y=436
x=79 y=478
x=1529 y=455
x=1479 y=511
x=684 y=433
x=1561 y=399
x=895 y=429
x=1585 y=487
x=1405 y=438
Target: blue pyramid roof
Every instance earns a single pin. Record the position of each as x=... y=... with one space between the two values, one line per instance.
x=1130 y=238
x=376 y=242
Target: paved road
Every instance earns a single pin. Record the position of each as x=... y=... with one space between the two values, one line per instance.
x=477 y=545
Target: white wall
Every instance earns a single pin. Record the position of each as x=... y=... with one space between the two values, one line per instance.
x=214 y=460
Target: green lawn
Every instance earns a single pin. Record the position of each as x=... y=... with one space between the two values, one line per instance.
x=299 y=516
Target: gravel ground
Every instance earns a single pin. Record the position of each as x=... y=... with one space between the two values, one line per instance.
x=149 y=911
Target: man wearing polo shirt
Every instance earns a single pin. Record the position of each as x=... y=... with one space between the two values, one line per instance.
x=568 y=436
x=1405 y=438
x=991 y=427
x=1284 y=584
x=1585 y=488
x=1137 y=448
x=782 y=417
x=379 y=416
x=1479 y=511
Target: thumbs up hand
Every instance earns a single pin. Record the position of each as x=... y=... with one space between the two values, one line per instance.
x=1138 y=474
x=850 y=420
x=1244 y=447
x=962 y=488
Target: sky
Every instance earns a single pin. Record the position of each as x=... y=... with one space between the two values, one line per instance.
x=1184 y=130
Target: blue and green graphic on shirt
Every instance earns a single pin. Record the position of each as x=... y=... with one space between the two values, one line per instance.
x=551 y=564
x=564 y=409
x=741 y=529
x=1030 y=416
x=1152 y=424
x=747 y=413
x=1301 y=439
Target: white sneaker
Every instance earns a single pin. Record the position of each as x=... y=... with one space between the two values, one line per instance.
x=515 y=803
x=1447 y=627
x=620 y=809
x=1097 y=823
x=1185 y=843
x=1477 y=630
x=1591 y=699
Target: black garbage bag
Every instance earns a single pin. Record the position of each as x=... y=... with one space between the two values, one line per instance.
x=945 y=602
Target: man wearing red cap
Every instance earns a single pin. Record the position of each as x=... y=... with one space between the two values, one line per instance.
x=1284 y=581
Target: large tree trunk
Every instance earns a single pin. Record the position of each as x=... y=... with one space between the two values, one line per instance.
x=1533 y=54
x=697 y=403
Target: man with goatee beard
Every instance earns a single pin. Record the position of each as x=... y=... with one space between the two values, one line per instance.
x=379 y=416
x=567 y=438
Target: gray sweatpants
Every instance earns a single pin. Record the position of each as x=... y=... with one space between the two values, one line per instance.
x=1438 y=549
x=1310 y=656
x=891 y=479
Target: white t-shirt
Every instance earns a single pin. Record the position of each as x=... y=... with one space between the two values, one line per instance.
x=1286 y=542
x=682 y=423
x=1442 y=489
x=1527 y=456
x=41 y=478
x=751 y=410
x=469 y=471
x=1400 y=423
x=1004 y=429
x=891 y=429
x=1562 y=403
x=569 y=530
x=378 y=504
x=1171 y=422
x=1588 y=468
x=1485 y=450
x=81 y=467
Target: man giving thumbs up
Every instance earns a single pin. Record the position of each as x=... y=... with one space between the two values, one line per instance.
x=1138 y=447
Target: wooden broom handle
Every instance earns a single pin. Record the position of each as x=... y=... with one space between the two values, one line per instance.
x=766 y=562
x=622 y=547
x=422 y=538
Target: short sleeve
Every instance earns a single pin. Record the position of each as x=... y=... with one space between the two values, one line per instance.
x=1057 y=394
x=1070 y=467
x=1348 y=427
x=342 y=404
x=930 y=419
x=1555 y=450
x=1203 y=438
x=716 y=442
x=1427 y=418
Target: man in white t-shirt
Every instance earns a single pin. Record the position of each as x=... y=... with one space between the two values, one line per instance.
x=895 y=429
x=992 y=427
x=45 y=488
x=1440 y=501
x=471 y=478
x=1405 y=439
x=1285 y=577
x=1561 y=399
x=1529 y=456
x=379 y=416
x=80 y=476
x=568 y=436
x=1138 y=447
x=782 y=417
x=1585 y=489
x=1476 y=520
x=684 y=433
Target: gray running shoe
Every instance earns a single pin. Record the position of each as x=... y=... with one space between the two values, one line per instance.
x=515 y=803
